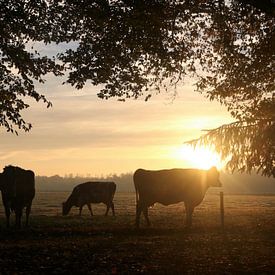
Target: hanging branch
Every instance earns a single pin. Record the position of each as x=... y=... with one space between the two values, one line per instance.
x=249 y=145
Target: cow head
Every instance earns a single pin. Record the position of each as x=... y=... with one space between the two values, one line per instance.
x=213 y=177
x=65 y=208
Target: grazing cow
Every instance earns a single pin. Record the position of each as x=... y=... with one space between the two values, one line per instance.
x=18 y=189
x=172 y=186
x=91 y=192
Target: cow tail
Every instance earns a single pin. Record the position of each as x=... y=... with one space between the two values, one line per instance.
x=137 y=193
x=114 y=190
x=137 y=197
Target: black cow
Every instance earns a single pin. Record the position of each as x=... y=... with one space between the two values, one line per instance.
x=172 y=186
x=18 y=190
x=91 y=192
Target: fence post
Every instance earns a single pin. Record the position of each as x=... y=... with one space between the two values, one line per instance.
x=222 y=209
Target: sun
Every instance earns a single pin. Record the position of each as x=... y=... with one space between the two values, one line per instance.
x=199 y=157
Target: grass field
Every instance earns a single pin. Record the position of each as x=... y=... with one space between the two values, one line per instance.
x=111 y=245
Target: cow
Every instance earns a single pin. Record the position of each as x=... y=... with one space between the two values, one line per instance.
x=172 y=186
x=18 y=190
x=91 y=192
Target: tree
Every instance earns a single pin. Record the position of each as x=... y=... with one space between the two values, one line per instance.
x=136 y=47
x=21 y=67
x=244 y=81
x=246 y=145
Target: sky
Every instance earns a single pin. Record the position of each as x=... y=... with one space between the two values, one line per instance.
x=84 y=135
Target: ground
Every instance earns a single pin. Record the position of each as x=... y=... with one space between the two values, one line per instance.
x=111 y=245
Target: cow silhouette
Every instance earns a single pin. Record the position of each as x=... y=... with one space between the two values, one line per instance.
x=91 y=192
x=18 y=190
x=172 y=186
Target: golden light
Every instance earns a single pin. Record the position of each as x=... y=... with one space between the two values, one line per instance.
x=199 y=157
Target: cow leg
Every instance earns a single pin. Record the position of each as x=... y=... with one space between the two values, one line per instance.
x=107 y=210
x=7 y=212
x=145 y=213
x=90 y=208
x=138 y=212
x=28 y=211
x=189 y=211
x=80 y=210
x=113 y=208
x=18 y=215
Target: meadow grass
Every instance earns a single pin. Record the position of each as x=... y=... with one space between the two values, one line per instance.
x=54 y=244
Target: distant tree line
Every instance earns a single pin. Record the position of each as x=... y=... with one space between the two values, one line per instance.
x=57 y=183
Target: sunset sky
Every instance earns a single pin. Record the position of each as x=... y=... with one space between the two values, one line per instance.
x=82 y=134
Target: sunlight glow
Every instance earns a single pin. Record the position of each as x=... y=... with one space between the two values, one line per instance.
x=199 y=157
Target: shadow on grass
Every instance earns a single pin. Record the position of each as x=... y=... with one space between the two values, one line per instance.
x=44 y=227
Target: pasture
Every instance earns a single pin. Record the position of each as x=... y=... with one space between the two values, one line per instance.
x=111 y=245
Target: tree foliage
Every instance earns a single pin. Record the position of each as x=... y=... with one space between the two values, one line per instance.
x=21 y=67
x=134 y=48
x=247 y=146
x=137 y=47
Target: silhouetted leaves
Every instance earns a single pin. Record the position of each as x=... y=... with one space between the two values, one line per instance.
x=20 y=67
x=136 y=48
x=247 y=145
